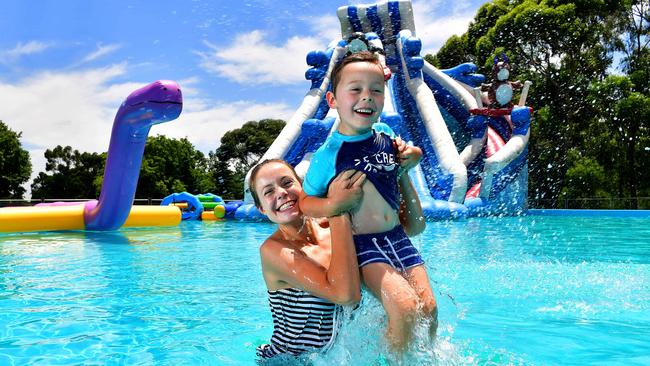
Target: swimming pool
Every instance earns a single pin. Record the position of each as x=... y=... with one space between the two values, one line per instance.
x=534 y=290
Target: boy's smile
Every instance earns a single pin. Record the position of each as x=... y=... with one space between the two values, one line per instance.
x=359 y=97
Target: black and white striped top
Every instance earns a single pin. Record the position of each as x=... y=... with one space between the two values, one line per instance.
x=302 y=322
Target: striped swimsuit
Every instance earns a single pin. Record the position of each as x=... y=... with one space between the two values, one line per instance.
x=302 y=323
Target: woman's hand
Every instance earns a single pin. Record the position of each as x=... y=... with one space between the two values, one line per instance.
x=345 y=192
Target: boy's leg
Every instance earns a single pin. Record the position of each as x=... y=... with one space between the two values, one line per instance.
x=398 y=298
x=419 y=282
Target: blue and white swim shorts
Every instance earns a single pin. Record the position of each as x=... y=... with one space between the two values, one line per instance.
x=392 y=247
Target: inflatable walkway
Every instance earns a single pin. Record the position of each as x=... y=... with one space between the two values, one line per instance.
x=473 y=164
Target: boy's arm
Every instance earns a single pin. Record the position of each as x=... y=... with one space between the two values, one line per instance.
x=410 y=211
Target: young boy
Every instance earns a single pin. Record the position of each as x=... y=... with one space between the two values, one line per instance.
x=390 y=266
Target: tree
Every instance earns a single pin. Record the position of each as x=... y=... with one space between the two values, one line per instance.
x=74 y=174
x=15 y=166
x=170 y=166
x=632 y=114
x=240 y=149
x=634 y=45
x=229 y=184
x=621 y=104
x=243 y=147
x=453 y=53
x=586 y=178
x=625 y=118
x=462 y=49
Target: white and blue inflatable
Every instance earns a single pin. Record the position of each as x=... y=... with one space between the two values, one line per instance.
x=472 y=164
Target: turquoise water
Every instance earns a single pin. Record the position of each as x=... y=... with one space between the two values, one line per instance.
x=524 y=291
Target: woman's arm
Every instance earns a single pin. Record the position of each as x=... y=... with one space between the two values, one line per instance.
x=339 y=283
x=343 y=273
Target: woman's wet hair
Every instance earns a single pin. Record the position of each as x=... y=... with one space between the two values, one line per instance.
x=253 y=177
x=361 y=56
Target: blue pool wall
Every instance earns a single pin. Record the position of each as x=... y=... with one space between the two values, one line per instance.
x=589 y=213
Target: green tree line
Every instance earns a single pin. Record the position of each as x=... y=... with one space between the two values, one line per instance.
x=589 y=62
x=15 y=166
x=168 y=165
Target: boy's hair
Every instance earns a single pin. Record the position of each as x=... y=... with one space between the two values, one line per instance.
x=361 y=56
x=253 y=177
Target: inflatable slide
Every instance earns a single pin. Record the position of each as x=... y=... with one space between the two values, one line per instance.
x=475 y=160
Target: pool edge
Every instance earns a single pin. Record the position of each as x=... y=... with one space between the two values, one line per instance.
x=589 y=213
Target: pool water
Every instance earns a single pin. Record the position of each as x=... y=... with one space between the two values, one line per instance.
x=534 y=290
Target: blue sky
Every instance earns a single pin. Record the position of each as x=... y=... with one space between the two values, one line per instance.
x=65 y=66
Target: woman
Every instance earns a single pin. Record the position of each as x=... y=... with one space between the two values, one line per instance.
x=309 y=266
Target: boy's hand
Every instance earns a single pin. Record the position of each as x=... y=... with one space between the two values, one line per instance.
x=345 y=193
x=408 y=156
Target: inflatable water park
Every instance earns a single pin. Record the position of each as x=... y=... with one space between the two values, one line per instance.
x=474 y=141
x=474 y=137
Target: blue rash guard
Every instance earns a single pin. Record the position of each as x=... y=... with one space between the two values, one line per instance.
x=372 y=153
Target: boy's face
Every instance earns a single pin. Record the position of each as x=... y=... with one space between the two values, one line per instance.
x=359 y=97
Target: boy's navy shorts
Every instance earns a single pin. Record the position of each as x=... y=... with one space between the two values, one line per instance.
x=392 y=247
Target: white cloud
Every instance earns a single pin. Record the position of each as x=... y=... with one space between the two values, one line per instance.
x=43 y=105
x=434 y=28
x=250 y=59
x=23 y=49
x=100 y=51
x=204 y=127
x=78 y=108
x=435 y=22
x=28 y=48
x=326 y=28
x=204 y=121
x=435 y=32
x=73 y=109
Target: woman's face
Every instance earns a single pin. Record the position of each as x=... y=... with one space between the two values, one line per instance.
x=278 y=190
